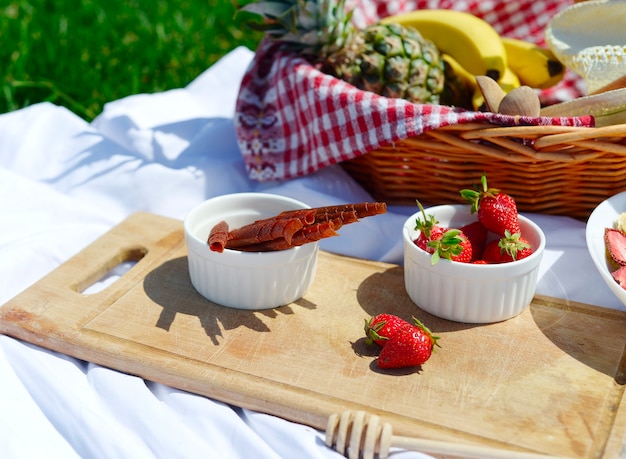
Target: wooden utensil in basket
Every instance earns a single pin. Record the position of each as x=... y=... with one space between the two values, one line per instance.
x=547 y=169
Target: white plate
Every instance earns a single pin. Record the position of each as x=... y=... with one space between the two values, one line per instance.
x=604 y=216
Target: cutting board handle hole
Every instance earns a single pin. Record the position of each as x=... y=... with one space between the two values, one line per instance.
x=110 y=271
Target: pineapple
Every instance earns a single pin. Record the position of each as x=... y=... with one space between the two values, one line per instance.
x=390 y=60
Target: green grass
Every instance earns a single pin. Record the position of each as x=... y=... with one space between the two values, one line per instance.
x=84 y=53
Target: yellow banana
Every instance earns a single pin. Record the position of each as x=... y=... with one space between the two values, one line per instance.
x=535 y=66
x=470 y=40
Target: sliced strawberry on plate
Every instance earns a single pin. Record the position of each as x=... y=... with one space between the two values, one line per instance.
x=620 y=276
x=615 y=242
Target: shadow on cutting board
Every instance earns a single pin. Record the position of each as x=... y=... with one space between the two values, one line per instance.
x=169 y=286
x=593 y=336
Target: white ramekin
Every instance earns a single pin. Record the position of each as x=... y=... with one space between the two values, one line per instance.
x=246 y=280
x=471 y=293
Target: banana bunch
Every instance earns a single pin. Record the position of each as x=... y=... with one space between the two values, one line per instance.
x=470 y=46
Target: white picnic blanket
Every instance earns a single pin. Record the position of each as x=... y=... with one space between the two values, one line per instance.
x=65 y=182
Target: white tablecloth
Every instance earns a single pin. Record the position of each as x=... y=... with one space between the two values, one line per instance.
x=65 y=182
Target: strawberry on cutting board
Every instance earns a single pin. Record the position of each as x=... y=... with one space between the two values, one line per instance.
x=495 y=210
x=410 y=346
x=404 y=344
x=382 y=327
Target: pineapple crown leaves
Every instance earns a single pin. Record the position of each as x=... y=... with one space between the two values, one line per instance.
x=311 y=27
x=426 y=225
x=418 y=323
x=511 y=244
x=448 y=246
x=478 y=193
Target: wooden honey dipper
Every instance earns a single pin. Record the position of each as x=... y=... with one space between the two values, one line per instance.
x=358 y=435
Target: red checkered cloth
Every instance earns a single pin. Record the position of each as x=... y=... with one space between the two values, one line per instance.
x=292 y=120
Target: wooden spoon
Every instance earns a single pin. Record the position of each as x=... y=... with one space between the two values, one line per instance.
x=491 y=91
x=522 y=101
x=607 y=108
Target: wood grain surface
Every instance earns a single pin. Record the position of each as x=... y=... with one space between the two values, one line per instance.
x=550 y=381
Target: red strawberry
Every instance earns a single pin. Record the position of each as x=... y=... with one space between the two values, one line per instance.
x=511 y=247
x=423 y=239
x=412 y=345
x=477 y=234
x=452 y=245
x=615 y=242
x=428 y=228
x=382 y=327
x=495 y=210
x=620 y=276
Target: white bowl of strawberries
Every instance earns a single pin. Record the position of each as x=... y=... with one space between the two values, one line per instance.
x=473 y=266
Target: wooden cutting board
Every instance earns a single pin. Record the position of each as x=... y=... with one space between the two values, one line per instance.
x=551 y=380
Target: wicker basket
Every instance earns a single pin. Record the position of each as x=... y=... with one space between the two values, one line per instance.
x=547 y=169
